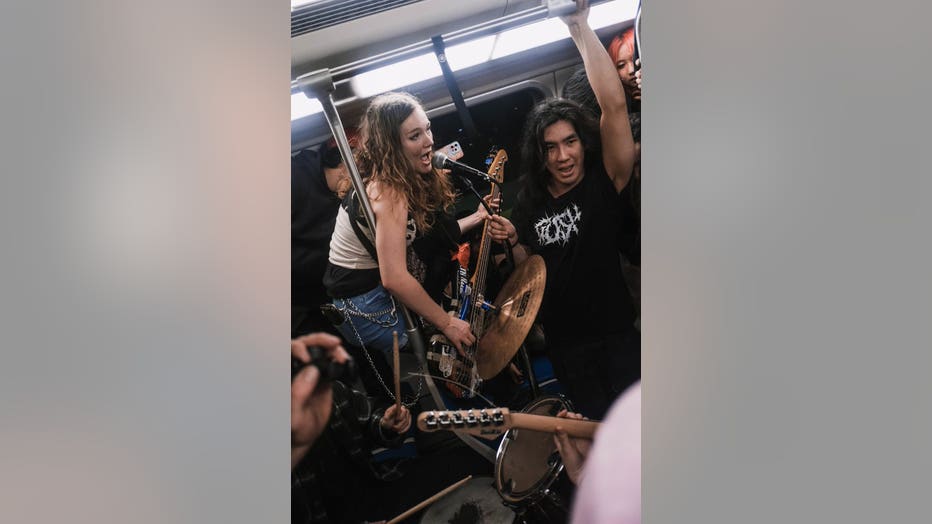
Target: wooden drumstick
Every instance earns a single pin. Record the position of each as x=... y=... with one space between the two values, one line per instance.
x=428 y=501
x=397 y=374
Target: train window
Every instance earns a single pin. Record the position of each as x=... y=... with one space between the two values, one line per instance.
x=302 y=106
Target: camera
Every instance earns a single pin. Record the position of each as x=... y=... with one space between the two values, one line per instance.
x=329 y=369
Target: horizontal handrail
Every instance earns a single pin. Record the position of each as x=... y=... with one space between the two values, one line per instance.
x=346 y=71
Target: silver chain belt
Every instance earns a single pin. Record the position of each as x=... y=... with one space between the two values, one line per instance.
x=352 y=310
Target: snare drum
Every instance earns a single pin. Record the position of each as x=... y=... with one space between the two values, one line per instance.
x=529 y=473
x=476 y=502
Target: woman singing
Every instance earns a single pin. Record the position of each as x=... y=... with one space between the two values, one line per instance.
x=408 y=198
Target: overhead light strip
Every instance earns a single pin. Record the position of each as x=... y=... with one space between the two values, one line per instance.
x=468 y=54
x=301 y=3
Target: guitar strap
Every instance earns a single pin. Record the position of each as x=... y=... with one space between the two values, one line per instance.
x=352 y=209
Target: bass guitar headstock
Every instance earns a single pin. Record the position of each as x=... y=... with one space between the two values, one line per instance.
x=486 y=423
x=497 y=167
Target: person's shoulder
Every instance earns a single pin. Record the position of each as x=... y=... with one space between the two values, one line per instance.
x=307 y=176
x=597 y=178
x=386 y=198
x=595 y=165
x=524 y=206
x=306 y=160
x=379 y=190
x=521 y=199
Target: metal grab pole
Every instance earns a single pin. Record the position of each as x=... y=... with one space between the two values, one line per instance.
x=319 y=85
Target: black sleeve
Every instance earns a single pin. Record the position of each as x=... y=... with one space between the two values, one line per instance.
x=365 y=418
x=299 y=186
x=382 y=437
x=450 y=228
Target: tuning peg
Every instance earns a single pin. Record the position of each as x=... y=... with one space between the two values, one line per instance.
x=484 y=418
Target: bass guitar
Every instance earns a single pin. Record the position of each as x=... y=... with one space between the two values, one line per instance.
x=459 y=371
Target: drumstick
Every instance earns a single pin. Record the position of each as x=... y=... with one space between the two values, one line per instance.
x=397 y=374
x=428 y=501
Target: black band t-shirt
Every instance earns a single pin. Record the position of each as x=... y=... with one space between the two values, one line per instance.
x=577 y=234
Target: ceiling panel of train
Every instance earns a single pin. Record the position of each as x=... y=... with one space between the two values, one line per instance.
x=343 y=31
x=316 y=15
x=364 y=44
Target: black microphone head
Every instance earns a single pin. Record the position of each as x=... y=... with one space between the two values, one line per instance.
x=439 y=160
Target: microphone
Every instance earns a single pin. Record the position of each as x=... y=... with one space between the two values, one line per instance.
x=442 y=161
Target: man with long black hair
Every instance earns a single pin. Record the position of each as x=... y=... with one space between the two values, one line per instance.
x=568 y=212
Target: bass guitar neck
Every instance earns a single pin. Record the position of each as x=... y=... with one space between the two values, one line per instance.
x=491 y=422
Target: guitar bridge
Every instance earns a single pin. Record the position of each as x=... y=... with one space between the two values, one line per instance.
x=447 y=358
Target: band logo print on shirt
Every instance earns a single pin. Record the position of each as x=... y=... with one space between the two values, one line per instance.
x=410 y=231
x=558 y=228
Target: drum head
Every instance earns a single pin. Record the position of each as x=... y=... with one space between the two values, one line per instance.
x=527 y=461
x=476 y=502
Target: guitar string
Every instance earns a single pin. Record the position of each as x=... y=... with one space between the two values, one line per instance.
x=474 y=307
x=464 y=386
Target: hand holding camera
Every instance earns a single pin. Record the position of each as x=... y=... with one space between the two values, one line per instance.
x=329 y=366
x=311 y=395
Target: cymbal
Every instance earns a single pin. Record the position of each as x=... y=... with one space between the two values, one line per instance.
x=517 y=304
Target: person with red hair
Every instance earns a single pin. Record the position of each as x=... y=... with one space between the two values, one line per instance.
x=621 y=50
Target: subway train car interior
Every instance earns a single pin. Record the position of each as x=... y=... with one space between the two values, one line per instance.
x=479 y=328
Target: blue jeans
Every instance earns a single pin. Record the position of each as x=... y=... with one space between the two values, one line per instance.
x=370 y=319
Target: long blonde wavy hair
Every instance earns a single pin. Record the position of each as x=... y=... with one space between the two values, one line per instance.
x=381 y=158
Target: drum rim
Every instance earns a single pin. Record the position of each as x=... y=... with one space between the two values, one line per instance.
x=539 y=489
